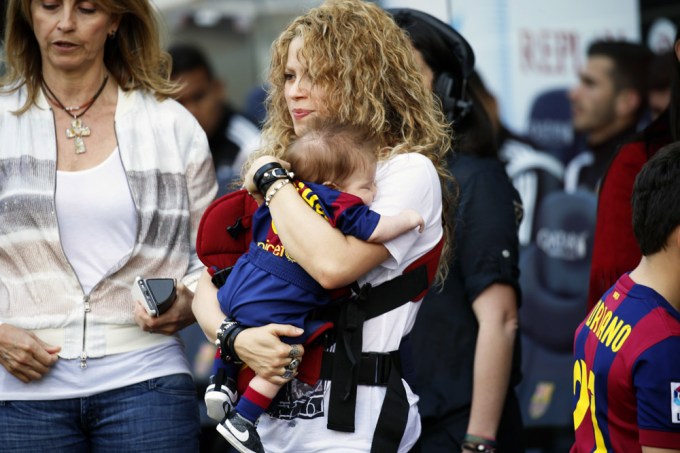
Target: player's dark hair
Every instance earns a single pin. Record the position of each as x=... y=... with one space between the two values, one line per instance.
x=656 y=200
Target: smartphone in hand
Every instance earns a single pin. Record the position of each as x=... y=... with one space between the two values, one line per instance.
x=155 y=294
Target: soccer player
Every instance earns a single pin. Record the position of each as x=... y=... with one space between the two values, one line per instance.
x=627 y=367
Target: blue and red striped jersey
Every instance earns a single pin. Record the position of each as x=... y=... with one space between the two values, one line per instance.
x=343 y=211
x=627 y=372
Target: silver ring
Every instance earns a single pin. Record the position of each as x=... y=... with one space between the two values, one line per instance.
x=287 y=374
x=292 y=366
x=294 y=351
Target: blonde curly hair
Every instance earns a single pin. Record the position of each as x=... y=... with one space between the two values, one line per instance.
x=364 y=63
x=134 y=57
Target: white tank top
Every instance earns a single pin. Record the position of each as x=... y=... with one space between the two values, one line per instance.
x=97 y=219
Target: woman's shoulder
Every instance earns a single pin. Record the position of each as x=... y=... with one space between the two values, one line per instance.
x=165 y=112
x=11 y=98
x=413 y=163
x=408 y=176
x=473 y=163
x=171 y=105
x=468 y=167
x=410 y=159
x=483 y=178
x=131 y=99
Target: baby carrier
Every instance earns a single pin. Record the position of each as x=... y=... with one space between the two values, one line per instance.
x=224 y=234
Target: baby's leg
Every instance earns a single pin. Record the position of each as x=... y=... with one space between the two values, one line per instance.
x=257 y=397
x=238 y=427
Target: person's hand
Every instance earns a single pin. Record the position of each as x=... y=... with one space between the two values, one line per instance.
x=261 y=349
x=248 y=183
x=415 y=219
x=178 y=316
x=24 y=355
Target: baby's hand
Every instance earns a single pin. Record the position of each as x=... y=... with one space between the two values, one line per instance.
x=414 y=219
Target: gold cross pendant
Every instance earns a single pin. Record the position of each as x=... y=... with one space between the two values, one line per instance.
x=78 y=131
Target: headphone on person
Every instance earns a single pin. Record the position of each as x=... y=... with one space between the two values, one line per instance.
x=450 y=88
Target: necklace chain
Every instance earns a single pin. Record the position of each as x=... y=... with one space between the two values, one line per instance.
x=77 y=130
x=85 y=106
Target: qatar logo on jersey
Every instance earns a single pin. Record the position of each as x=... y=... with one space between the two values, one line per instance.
x=675 y=402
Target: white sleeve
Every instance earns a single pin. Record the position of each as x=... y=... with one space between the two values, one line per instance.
x=408 y=181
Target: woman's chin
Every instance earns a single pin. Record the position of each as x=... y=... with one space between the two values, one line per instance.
x=299 y=128
x=302 y=125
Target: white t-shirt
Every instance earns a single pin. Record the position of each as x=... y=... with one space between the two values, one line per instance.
x=405 y=181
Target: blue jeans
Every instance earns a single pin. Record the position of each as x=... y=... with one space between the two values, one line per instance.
x=158 y=415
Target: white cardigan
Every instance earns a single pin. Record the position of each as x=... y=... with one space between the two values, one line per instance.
x=169 y=169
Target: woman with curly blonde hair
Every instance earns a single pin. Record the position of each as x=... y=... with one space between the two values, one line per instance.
x=348 y=61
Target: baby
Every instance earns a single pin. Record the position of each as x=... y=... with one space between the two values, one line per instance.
x=335 y=168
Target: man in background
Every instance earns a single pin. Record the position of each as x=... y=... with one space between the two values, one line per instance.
x=231 y=136
x=607 y=106
x=615 y=250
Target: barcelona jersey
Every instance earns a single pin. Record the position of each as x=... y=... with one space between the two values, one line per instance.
x=627 y=372
x=267 y=285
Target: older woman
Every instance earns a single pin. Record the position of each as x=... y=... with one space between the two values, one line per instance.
x=345 y=60
x=102 y=179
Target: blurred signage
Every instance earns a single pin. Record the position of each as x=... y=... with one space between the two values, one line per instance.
x=526 y=47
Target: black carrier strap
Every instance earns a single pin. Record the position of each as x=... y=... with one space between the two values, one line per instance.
x=393 y=417
x=394 y=293
x=345 y=371
x=349 y=367
x=375 y=368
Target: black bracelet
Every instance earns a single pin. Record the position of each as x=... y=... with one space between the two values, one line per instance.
x=259 y=174
x=231 y=338
x=270 y=177
x=226 y=331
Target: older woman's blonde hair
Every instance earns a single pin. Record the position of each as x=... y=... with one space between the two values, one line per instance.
x=364 y=64
x=134 y=57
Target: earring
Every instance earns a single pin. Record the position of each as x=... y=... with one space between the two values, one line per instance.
x=112 y=35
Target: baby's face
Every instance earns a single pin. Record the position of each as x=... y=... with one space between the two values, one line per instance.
x=361 y=184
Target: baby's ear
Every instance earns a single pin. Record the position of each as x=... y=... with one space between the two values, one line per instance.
x=330 y=184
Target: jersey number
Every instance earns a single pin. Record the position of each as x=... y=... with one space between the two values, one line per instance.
x=586 y=383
